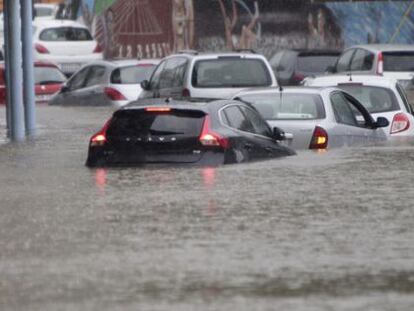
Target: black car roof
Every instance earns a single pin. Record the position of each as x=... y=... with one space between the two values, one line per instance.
x=203 y=104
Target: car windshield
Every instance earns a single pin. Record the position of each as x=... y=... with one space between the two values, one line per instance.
x=65 y=34
x=230 y=72
x=132 y=74
x=48 y=75
x=398 y=61
x=315 y=63
x=374 y=99
x=287 y=106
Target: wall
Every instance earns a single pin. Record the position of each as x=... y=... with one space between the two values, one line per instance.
x=155 y=28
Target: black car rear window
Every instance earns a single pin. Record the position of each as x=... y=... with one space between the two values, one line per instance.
x=141 y=122
x=132 y=74
x=230 y=72
x=374 y=99
x=398 y=61
x=65 y=34
x=298 y=106
x=315 y=63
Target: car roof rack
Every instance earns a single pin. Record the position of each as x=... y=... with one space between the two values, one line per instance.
x=193 y=52
x=246 y=51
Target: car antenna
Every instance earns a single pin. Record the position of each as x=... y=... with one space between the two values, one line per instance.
x=280 y=94
x=350 y=76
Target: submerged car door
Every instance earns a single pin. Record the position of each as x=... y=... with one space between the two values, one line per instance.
x=93 y=89
x=246 y=141
x=354 y=124
x=267 y=146
x=70 y=94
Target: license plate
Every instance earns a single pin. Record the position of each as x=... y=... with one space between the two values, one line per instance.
x=43 y=98
x=70 y=67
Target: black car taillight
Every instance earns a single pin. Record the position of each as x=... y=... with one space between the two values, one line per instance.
x=99 y=139
x=319 y=139
x=210 y=138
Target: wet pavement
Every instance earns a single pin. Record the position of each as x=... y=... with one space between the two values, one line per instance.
x=327 y=231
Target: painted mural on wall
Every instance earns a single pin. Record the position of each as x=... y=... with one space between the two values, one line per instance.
x=156 y=28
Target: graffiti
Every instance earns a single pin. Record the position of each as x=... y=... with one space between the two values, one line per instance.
x=183 y=24
x=156 y=28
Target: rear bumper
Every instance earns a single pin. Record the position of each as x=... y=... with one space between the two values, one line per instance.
x=100 y=157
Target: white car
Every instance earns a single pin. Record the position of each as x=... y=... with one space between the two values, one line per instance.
x=105 y=83
x=208 y=75
x=381 y=96
x=67 y=43
x=388 y=60
x=44 y=11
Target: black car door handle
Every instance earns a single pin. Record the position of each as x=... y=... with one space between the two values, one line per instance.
x=269 y=149
x=248 y=146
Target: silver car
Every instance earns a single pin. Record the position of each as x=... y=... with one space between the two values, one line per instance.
x=105 y=83
x=317 y=118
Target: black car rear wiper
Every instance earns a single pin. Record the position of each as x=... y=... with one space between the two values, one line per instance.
x=155 y=132
x=49 y=82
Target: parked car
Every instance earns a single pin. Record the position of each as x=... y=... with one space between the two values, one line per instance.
x=106 y=83
x=191 y=132
x=389 y=60
x=65 y=42
x=292 y=66
x=48 y=80
x=191 y=74
x=318 y=118
x=45 y=11
x=381 y=96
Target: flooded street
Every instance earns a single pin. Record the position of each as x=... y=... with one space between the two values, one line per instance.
x=328 y=231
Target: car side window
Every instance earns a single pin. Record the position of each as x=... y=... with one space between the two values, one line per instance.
x=78 y=80
x=362 y=60
x=155 y=78
x=344 y=61
x=345 y=112
x=404 y=98
x=260 y=126
x=234 y=118
x=179 y=74
x=96 y=76
x=173 y=73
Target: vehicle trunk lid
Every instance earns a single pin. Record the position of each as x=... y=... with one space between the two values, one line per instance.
x=156 y=136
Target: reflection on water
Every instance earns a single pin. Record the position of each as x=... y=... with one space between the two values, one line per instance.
x=100 y=179
x=209 y=176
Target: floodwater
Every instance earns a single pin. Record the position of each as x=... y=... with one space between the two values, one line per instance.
x=327 y=231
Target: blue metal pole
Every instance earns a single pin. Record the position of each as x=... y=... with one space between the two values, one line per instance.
x=6 y=20
x=28 y=68
x=16 y=73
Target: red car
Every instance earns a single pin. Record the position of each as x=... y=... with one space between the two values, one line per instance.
x=48 y=80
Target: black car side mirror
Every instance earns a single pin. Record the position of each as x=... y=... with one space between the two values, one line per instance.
x=381 y=122
x=278 y=134
x=145 y=85
x=64 y=89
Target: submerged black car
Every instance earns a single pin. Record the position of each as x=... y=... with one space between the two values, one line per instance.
x=174 y=131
